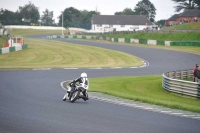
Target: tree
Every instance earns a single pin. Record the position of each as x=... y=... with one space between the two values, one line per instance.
x=126 y=11
x=8 y=17
x=47 y=18
x=119 y=13
x=186 y=4
x=161 y=23
x=197 y=2
x=75 y=18
x=86 y=18
x=145 y=7
x=70 y=16
x=29 y=12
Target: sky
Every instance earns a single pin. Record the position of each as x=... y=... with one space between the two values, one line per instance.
x=165 y=8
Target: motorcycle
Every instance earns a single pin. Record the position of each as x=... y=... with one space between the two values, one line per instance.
x=76 y=92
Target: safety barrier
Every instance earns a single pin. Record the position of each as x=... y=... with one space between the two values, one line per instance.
x=121 y=40
x=49 y=37
x=172 y=82
x=132 y=40
x=12 y=49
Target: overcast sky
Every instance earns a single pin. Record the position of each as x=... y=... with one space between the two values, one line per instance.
x=165 y=8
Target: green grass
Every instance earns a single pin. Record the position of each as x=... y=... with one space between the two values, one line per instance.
x=188 y=79
x=186 y=36
x=186 y=26
x=146 y=89
x=188 y=49
x=28 y=32
x=55 y=54
x=3 y=40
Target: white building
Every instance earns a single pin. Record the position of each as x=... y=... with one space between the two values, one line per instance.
x=106 y=23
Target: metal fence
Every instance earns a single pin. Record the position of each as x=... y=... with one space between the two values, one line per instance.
x=172 y=82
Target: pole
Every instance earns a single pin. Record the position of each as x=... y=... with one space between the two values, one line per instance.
x=62 y=23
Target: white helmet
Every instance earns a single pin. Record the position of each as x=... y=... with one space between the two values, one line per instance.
x=83 y=75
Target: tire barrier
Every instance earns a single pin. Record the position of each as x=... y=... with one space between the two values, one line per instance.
x=171 y=81
x=49 y=37
x=131 y=40
x=12 y=49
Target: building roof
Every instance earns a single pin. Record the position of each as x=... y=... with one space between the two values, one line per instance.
x=173 y=18
x=190 y=13
x=121 y=20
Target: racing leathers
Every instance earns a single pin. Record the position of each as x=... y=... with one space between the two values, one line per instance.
x=82 y=81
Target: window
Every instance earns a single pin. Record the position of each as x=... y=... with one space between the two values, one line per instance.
x=111 y=25
x=99 y=25
x=122 y=25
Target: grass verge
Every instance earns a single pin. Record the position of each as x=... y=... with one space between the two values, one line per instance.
x=186 y=26
x=3 y=40
x=29 y=32
x=146 y=89
x=188 y=79
x=188 y=49
x=56 y=54
x=25 y=32
x=186 y=36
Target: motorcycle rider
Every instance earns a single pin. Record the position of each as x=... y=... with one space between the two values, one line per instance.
x=82 y=80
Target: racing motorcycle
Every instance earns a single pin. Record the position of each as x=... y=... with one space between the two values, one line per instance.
x=75 y=91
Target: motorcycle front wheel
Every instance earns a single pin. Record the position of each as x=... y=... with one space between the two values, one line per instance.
x=74 y=96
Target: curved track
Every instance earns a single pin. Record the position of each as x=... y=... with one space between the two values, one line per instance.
x=31 y=101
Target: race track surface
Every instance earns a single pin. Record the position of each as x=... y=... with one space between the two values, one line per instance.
x=31 y=100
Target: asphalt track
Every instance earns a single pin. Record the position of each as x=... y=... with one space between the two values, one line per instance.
x=31 y=101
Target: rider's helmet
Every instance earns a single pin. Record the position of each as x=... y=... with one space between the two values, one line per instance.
x=84 y=75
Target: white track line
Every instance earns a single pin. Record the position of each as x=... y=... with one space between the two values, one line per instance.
x=42 y=69
x=70 y=68
x=96 y=68
x=116 y=67
x=123 y=103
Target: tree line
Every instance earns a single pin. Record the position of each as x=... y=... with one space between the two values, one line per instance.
x=72 y=17
x=145 y=7
x=29 y=15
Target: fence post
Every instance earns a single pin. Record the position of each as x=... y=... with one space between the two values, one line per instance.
x=175 y=75
x=196 y=79
x=188 y=73
x=169 y=74
x=181 y=74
